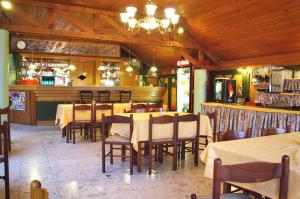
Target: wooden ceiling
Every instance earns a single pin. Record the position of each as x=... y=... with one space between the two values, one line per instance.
x=230 y=32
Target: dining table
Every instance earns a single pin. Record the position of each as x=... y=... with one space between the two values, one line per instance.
x=141 y=129
x=259 y=149
x=64 y=113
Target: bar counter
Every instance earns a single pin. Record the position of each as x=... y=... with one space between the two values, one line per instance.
x=241 y=117
x=41 y=101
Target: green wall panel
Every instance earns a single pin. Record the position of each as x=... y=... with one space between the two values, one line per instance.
x=46 y=111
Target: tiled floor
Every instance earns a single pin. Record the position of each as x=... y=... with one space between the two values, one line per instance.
x=74 y=171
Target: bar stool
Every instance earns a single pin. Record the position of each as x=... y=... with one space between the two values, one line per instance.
x=86 y=96
x=125 y=96
x=103 y=96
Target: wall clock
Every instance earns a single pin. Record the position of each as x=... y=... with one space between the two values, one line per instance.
x=21 y=45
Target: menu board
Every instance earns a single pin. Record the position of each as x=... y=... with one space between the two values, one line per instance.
x=18 y=100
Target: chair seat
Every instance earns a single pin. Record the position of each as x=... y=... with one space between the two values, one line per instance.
x=117 y=138
x=166 y=140
x=229 y=196
x=79 y=122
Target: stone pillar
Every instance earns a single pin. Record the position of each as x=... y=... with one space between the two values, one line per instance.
x=4 y=68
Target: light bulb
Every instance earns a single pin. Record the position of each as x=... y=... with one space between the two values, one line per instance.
x=124 y=17
x=71 y=67
x=180 y=30
x=165 y=23
x=153 y=69
x=169 y=12
x=150 y=9
x=132 y=23
x=6 y=4
x=101 y=67
x=129 y=69
x=175 y=19
x=131 y=11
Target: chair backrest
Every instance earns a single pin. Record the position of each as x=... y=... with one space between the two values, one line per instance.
x=119 y=119
x=82 y=107
x=4 y=140
x=139 y=108
x=125 y=96
x=155 y=107
x=86 y=96
x=103 y=96
x=101 y=108
x=189 y=118
x=37 y=192
x=234 y=135
x=254 y=172
x=213 y=117
x=275 y=131
x=164 y=119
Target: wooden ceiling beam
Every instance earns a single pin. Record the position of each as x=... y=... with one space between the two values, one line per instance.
x=96 y=37
x=51 y=18
x=27 y=18
x=42 y=4
x=73 y=20
x=115 y=25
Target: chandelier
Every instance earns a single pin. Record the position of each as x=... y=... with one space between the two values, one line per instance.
x=150 y=22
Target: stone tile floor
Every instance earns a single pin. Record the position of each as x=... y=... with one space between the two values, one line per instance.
x=74 y=171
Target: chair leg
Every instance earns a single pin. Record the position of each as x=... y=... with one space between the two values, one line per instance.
x=150 y=159
x=174 y=156
x=103 y=156
x=160 y=154
x=139 y=158
x=73 y=135
x=111 y=154
x=179 y=150
x=193 y=147
x=95 y=133
x=123 y=153
x=155 y=153
x=131 y=159
x=9 y=138
x=6 y=170
x=182 y=150
x=67 y=134
x=1 y=151
x=196 y=158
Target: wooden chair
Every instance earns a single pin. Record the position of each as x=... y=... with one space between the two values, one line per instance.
x=97 y=121
x=116 y=139
x=86 y=97
x=4 y=157
x=138 y=108
x=161 y=120
x=213 y=117
x=254 y=172
x=234 y=135
x=194 y=139
x=75 y=123
x=37 y=192
x=125 y=96
x=275 y=131
x=6 y=111
x=155 y=107
x=103 y=96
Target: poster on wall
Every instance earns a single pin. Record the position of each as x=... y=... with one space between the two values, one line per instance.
x=18 y=100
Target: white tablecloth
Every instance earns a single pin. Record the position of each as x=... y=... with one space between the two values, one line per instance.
x=267 y=149
x=141 y=128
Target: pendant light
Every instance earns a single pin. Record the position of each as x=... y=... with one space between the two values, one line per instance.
x=101 y=67
x=153 y=69
x=71 y=67
x=32 y=66
x=129 y=69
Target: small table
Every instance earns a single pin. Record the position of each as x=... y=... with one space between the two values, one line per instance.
x=260 y=149
x=141 y=128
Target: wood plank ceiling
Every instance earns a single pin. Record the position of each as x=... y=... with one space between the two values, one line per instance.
x=232 y=32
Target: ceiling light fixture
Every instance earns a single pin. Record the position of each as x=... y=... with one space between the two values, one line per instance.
x=6 y=4
x=149 y=22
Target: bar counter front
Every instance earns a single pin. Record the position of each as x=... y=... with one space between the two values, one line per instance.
x=241 y=117
x=38 y=104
